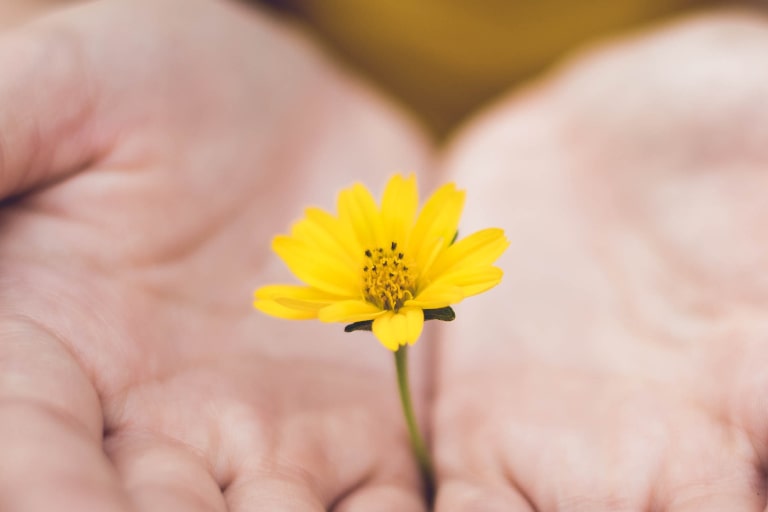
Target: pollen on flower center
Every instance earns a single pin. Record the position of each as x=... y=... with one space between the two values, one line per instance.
x=387 y=281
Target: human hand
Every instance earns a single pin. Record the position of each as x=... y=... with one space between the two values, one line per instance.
x=621 y=364
x=152 y=149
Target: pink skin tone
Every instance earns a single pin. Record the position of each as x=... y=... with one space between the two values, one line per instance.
x=152 y=150
x=157 y=161
x=622 y=363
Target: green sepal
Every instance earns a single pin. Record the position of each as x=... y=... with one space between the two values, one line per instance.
x=445 y=314
x=365 y=325
x=455 y=236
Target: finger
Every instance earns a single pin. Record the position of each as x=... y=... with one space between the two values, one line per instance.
x=162 y=474
x=382 y=497
x=268 y=492
x=717 y=502
x=48 y=98
x=712 y=467
x=464 y=496
x=50 y=428
x=730 y=492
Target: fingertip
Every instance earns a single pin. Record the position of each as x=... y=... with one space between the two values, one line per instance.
x=382 y=498
x=50 y=462
x=265 y=492
x=463 y=496
x=47 y=96
x=161 y=473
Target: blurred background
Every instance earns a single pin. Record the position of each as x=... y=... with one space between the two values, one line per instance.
x=446 y=58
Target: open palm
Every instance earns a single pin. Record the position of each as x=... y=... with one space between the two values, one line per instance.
x=621 y=365
x=146 y=172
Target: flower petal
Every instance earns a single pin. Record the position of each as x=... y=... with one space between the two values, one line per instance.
x=358 y=208
x=438 y=220
x=398 y=208
x=437 y=295
x=317 y=269
x=478 y=249
x=349 y=311
x=429 y=253
x=272 y=308
x=296 y=297
x=395 y=329
x=323 y=232
x=470 y=281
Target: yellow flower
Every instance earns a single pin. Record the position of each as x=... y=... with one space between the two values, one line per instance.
x=383 y=267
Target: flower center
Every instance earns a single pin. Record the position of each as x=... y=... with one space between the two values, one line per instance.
x=387 y=280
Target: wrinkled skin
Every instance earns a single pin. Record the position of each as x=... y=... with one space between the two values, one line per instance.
x=619 y=366
x=622 y=362
x=151 y=170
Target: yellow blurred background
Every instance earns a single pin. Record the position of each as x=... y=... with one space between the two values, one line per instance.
x=445 y=58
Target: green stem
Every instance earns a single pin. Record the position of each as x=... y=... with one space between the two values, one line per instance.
x=417 y=441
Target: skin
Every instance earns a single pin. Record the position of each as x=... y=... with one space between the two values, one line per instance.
x=144 y=183
x=621 y=363
x=619 y=366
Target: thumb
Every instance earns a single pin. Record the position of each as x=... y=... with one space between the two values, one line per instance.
x=47 y=98
x=51 y=426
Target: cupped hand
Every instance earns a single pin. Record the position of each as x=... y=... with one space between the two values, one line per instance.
x=621 y=364
x=148 y=153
